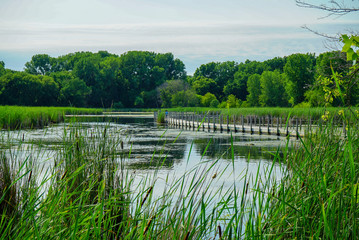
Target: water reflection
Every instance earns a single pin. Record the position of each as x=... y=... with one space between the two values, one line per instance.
x=148 y=146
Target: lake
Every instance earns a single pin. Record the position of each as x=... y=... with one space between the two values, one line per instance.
x=165 y=154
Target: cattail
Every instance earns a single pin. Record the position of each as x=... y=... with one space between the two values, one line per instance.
x=64 y=174
x=214 y=176
x=29 y=176
x=148 y=225
x=147 y=194
x=187 y=235
x=121 y=145
x=220 y=231
x=247 y=188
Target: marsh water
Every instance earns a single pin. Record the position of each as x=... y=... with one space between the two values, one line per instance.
x=165 y=152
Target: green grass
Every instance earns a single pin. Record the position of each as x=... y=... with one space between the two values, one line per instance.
x=16 y=117
x=88 y=194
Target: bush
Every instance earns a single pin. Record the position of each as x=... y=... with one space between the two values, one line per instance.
x=214 y=103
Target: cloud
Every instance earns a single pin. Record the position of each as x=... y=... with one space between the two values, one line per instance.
x=195 y=41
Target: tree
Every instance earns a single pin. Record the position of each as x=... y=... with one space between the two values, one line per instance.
x=232 y=101
x=172 y=93
x=203 y=85
x=333 y=7
x=40 y=64
x=238 y=86
x=221 y=73
x=2 y=68
x=273 y=89
x=25 y=89
x=328 y=61
x=254 y=90
x=174 y=68
x=207 y=99
x=299 y=69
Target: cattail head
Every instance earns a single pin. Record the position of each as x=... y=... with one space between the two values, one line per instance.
x=220 y=231
x=147 y=194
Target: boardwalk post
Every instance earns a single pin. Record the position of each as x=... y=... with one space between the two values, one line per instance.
x=250 y=118
x=260 y=130
x=208 y=121
x=227 y=123
x=234 y=123
x=221 y=122
x=193 y=121
x=182 y=119
x=214 y=122
x=271 y=122
x=297 y=127
x=278 y=133
x=242 y=120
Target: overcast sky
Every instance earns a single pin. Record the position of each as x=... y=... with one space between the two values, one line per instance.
x=195 y=31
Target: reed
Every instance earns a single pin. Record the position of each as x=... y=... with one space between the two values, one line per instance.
x=89 y=193
x=17 y=117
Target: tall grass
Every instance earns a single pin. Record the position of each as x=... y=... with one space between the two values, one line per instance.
x=319 y=197
x=16 y=117
x=89 y=194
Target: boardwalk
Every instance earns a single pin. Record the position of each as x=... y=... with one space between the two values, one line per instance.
x=293 y=127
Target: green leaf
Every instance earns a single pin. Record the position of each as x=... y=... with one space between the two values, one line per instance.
x=347 y=46
x=350 y=54
x=356 y=39
x=345 y=38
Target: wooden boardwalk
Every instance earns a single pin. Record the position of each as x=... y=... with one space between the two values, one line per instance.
x=293 y=127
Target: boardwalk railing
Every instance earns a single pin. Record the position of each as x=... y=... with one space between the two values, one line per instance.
x=214 y=121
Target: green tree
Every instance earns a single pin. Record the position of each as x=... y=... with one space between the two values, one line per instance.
x=27 y=90
x=2 y=68
x=273 y=89
x=254 y=90
x=173 y=93
x=74 y=92
x=207 y=99
x=40 y=64
x=299 y=69
x=203 y=85
x=232 y=101
x=221 y=73
x=238 y=86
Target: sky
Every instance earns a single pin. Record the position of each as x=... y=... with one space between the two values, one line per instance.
x=195 y=31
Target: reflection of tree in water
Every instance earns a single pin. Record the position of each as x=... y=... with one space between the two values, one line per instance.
x=219 y=147
x=154 y=153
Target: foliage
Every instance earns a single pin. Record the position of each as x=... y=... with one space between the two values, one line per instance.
x=233 y=102
x=254 y=90
x=299 y=70
x=207 y=99
x=273 y=91
x=148 y=80
x=203 y=85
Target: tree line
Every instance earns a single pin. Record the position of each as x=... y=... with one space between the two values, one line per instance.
x=151 y=80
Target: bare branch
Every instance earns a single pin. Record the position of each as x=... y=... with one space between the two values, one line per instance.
x=329 y=37
x=333 y=7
